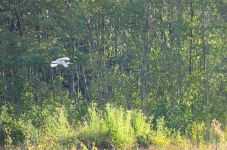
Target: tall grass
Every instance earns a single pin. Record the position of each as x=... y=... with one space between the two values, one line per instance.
x=110 y=128
x=114 y=127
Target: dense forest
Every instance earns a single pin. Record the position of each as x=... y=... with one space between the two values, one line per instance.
x=145 y=74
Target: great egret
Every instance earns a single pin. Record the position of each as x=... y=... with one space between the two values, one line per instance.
x=61 y=61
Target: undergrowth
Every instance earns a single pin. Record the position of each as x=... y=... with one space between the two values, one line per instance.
x=108 y=128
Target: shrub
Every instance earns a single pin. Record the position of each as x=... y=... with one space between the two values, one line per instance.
x=53 y=130
x=95 y=130
x=142 y=128
x=179 y=141
x=114 y=127
x=11 y=131
x=197 y=133
x=57 y=129
x=118 y=122
x=216 y=133
x=160 y=137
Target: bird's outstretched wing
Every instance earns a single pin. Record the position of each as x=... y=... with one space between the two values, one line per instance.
x=54 y=62
x=65 y=58
x=53 y=65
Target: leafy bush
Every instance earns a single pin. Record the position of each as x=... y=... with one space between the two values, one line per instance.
x=179 y=141
x=120 y=128
x=142 y=128
x=11 y=131
x=114 y=127
x=216 y=134
x=217 y=131
x=56 y=127
x=197 y=133
x=161 y=137
x=95 y=130
x=39 y=128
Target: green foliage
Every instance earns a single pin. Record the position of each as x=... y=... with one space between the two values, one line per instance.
x=134 y=54
x=95 y=129
x=57 y=130
x=179 y=141
x=115 y=127
x=161 y=136
x=142 y=128
x=118 y=121
x=217 y=135
x=44 y=130
x=197 y=133
x=11 y=130
x=202 y=134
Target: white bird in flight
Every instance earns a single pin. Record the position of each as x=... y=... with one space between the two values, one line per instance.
x=61 y=61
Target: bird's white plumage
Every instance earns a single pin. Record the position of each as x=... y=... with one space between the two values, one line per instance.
x=65 y=58
x=53 y=65
x=61 y=61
